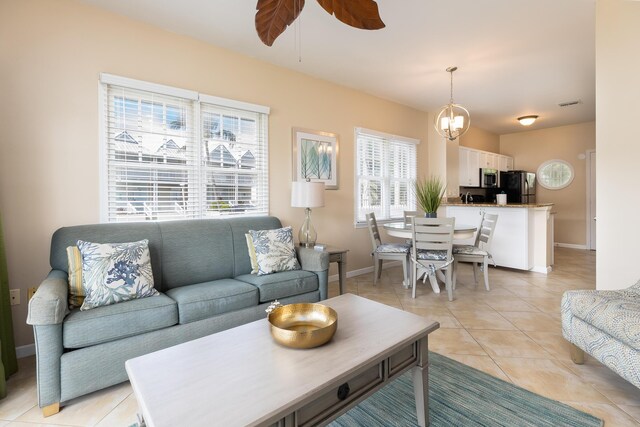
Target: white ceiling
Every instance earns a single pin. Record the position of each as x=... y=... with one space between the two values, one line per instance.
x=514 y=57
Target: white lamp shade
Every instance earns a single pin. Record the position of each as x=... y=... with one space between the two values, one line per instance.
x=305 y=194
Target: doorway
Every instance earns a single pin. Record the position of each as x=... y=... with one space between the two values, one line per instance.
x=591 y=199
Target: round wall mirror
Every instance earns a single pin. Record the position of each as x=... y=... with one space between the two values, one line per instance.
x=555 y=174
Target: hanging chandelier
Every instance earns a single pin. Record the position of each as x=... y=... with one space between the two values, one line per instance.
x=452 y=120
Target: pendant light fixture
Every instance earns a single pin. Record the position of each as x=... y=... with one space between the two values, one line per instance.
x=452 y=120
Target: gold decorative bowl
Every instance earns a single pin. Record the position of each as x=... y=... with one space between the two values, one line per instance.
x=303 y=325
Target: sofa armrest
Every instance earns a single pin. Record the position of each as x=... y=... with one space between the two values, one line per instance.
x=312 y=260
x=49 y=304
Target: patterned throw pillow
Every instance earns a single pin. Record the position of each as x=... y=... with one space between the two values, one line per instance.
x=274 y=250
x=115 y=272
x=252 y=254
x=76 y=292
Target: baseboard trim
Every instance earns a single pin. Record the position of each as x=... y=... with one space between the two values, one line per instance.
x=543 y=270
x=570 y=246
x=25 y=351
x=361 y=271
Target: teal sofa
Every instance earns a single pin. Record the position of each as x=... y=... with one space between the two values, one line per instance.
x=202 y=270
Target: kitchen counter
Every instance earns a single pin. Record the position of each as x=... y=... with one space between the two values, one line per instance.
x=523 y=238
x=494 y=205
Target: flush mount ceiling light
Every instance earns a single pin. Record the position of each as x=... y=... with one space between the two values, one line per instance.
x=452 y=120
x=527 y=120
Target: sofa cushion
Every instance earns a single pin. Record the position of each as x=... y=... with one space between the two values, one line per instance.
x=283 y=284
x=113 y=322
x=203 y=300
x=195 y=251
x=616 y=313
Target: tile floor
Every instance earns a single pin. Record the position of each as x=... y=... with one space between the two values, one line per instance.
x=512 y=332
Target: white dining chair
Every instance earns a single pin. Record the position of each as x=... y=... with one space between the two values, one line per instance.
x=408 y=215
x=478 y=253
x=386 y=251
x=432 y=250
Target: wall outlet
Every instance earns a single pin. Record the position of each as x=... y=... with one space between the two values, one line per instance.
x=31 y=292
x=14 y=296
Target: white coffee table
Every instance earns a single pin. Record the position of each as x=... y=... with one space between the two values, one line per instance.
x=241 y=377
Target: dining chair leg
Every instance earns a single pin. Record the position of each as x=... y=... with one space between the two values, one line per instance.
x=405 y=270
x=379 y=269
x=375 y=270
x=475 y=272
x=414 y=279
x=455 y=272
x=448 y=283
x=486 y=273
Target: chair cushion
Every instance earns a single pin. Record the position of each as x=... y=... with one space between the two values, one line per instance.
x=616 y=313
x=469 y=250
x=283 y=284
x=424 y=254
x=204 y=300
x=390 y=248
x=116 y=321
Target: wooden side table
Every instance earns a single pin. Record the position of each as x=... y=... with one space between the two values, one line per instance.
x=340 y=256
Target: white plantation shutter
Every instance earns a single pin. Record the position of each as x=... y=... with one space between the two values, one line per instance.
x=385 y=171
x=235 y=165
x=167 y=155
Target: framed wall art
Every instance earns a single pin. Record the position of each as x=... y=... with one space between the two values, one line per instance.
x=315 y=157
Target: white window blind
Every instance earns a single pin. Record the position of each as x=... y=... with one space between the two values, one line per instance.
x=385 y=172
x=168 y=155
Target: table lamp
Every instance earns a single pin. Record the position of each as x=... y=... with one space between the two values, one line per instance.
x=307 y=194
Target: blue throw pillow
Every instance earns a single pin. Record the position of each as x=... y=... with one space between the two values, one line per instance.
x=115 y=272
x=275 y=250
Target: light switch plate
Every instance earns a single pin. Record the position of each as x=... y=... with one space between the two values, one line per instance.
x=14 y=296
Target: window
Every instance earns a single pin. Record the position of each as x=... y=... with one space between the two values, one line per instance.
x=385 y=172
x=555 y=174
x=176 y=154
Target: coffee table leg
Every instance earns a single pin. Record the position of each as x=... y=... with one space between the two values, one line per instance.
x=421 y=384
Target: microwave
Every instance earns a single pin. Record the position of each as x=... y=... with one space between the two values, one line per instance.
x=489 y=178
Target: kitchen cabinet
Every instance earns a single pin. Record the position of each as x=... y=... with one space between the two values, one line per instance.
x=470 y=162
x=469 y=167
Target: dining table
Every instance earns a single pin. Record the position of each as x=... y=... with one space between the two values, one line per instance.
x=405 y=231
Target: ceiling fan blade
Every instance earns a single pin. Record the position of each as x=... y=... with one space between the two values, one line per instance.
x=274 y=16
x=361 y=14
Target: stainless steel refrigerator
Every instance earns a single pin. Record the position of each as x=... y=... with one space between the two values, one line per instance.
x=520 y=186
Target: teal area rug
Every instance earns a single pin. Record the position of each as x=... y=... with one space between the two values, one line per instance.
x=462 y=396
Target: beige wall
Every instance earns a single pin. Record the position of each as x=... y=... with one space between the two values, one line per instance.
x=51 y=54
x=617 y=142
x=481 y=139
x=530 y=149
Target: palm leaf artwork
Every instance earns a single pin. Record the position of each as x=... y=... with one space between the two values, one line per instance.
x=274 y=16
x=309 y=159
x=325 y=161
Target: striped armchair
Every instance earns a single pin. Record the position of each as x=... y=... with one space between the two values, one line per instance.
x=605 y=324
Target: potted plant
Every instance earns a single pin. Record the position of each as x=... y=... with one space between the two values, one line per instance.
x=429 y=193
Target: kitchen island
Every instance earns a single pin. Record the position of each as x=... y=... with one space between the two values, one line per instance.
x=523 y=238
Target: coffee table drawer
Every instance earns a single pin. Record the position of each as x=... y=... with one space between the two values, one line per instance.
x=336 y=399
x=403 y=358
